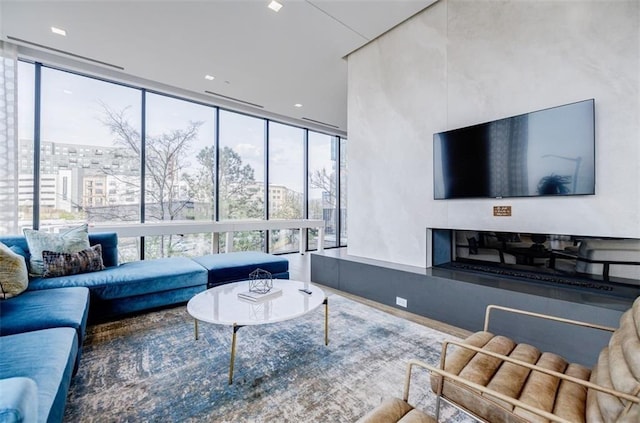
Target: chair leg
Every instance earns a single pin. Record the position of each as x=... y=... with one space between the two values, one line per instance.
x=439 y=397
x=438 y=401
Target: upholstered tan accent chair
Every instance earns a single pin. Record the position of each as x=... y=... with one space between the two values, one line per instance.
x=497 y=380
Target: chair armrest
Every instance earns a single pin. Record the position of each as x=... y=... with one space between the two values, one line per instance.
x=541 y=316
x=586 y=384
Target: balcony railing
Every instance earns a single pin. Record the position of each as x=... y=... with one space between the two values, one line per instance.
x=228 y=227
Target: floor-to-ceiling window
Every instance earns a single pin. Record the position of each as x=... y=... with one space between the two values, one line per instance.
x=322 y=203
x=179 y=171
x=343 y=191
x=89 y=152
x=26 y=108
x=286 y=183
x=102 y=152
x=241 y=178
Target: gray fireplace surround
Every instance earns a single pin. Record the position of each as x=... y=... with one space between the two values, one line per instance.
x=459 y=297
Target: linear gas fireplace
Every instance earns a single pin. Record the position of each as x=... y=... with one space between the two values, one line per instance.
x=571 y=261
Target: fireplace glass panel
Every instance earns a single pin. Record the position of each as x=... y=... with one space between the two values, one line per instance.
x=543 y=257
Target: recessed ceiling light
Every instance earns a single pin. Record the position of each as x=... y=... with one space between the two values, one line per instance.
x=297 y=105
x=209 y=77
x=68 y=92
x=59 y=31
x=275 y=6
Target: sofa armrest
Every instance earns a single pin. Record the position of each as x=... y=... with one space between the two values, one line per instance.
x=19 y=400
x=491 y=307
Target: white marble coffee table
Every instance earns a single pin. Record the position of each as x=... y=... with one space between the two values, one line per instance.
x=221 y=305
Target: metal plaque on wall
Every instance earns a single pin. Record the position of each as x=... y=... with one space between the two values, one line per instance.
x=502 y=210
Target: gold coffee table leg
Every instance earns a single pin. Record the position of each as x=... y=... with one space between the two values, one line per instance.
x=233 y=352
x=326 y=321
x=195 y=328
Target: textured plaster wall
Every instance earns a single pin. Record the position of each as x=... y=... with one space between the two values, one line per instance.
x=462 y=62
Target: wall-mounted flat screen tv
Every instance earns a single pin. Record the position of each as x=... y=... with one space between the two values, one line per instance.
x=542 y=153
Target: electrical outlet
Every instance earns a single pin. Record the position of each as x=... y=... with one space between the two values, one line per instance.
x=402 y=302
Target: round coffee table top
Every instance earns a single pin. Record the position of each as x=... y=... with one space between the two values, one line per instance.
x=221 y=304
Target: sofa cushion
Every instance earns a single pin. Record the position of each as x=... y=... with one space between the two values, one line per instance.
x=237 y=265
x=133 y=278
x=45 y=309
x=47 y=356
x=17 y=241
x=14 y=277
x=19 y=251
x=62 y=264
x=19 y=400
x=102 y=310
x=71 y=241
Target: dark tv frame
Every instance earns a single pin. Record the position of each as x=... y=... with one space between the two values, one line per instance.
x=465 y=197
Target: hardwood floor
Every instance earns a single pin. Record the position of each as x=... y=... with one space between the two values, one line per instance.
x=300 y=269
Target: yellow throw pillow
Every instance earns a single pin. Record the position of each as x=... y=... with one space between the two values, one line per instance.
x=14 y=277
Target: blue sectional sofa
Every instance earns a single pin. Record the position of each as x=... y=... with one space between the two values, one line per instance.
x=41 y=336
x=142 y=285
x=129 y=287
x=42 y=329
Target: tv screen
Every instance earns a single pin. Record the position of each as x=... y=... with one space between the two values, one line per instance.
x=547 y=152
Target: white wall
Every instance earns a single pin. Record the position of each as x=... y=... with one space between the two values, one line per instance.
x=462 y=62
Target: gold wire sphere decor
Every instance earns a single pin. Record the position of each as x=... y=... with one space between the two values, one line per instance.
x=260 y=281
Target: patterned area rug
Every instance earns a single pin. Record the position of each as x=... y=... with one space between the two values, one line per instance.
x=150 y=368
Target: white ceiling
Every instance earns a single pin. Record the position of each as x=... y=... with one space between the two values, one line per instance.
x=270 y=59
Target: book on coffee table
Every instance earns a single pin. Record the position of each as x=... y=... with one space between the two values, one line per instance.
x=256 y=296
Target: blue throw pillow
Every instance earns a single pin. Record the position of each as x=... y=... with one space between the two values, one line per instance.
x=71 y=241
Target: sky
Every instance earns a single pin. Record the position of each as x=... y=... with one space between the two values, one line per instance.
x=73 y=112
